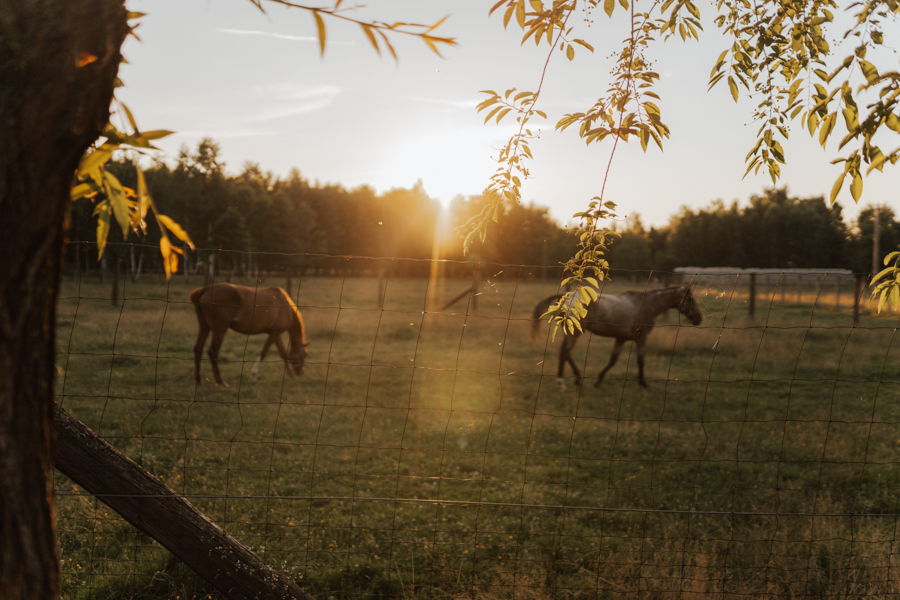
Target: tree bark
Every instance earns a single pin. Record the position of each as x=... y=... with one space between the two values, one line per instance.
x=51 y=110
x=151 y=506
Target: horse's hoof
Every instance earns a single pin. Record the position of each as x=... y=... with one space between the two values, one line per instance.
x=562 y=384
x=223 y=384
x=578 y=382
x=598 y=383
x=644 y=385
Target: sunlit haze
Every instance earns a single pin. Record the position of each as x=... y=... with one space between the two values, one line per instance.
x=256 y=84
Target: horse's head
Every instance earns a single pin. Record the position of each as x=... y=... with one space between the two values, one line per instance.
x=297 y=357
x=689 y=307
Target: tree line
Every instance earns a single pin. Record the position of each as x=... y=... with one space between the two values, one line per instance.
x=774 y=231
x=266 y=222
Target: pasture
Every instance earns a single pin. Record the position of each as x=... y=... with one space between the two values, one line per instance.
x=792 y=411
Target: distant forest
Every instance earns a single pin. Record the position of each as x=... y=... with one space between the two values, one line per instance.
x=255 y=212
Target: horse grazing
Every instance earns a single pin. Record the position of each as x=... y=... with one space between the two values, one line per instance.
x=625 y=316
x=248 y=310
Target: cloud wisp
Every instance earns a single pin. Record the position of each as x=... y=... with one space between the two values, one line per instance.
x=287 y=100
x=282 y=36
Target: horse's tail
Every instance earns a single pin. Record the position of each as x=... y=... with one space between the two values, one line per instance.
x=539 y=309
x=195 y=300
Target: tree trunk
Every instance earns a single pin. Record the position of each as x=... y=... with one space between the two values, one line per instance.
x=51 y=110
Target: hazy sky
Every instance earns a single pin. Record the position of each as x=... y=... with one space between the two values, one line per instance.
x=256 y=84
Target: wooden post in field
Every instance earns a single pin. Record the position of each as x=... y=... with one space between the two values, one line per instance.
x=155 y=509
x=544 y=262
x=860 y=280
x=77 y=262
x=381 y=290
x=103 y=266
x=752 y=294
x=837 y=292
x=799 y=290
x=114 y=296
x=782 y=282
x=476 y=289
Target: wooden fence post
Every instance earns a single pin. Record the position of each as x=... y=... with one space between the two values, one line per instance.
x=476 y=290
x=752 y=294
x=837 y=293
x=860 y=280
x=114 y=296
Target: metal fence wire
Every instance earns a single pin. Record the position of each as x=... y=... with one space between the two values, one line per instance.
x=428 y=450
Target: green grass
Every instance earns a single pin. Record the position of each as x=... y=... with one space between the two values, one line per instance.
x=791 y=411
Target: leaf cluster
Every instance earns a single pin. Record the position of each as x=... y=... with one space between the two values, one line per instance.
x=376 y=32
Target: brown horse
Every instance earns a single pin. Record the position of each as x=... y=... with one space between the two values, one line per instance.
x=625 y=316
x=248 y=310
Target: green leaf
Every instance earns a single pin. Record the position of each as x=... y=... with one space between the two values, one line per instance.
x=118 y=201
x=143 y=195
x=103 y=218
x=156 y=134
x=130 y=116
x=83 y=190
x=96 y=159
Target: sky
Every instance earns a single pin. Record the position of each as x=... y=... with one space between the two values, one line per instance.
x=257 y=85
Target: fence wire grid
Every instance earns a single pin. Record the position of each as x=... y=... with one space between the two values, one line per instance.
x=428 y=449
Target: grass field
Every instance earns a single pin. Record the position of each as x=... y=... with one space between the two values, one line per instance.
x=792 y=411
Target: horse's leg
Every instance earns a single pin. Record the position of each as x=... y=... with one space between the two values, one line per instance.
x=565 y=356
x=640 y=348
x=284 y=355
x=217 y=336
x=262 y=354
x=198 y=348
x=612 y=360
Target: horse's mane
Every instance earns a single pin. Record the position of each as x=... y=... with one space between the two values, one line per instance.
x=297 y=313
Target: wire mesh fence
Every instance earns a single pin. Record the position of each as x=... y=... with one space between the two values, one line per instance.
x=428 y=450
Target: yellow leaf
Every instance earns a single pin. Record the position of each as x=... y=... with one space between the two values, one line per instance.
x=609 y=6
x=372 y=39
x=84 y=58
x=165 y=248
x=320 y=26
x=520 y=13
x=176 y=229
x=733 y=87
x=835 y=190
x=856 y=187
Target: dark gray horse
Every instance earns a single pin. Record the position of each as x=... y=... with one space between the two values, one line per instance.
x=625 y=316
